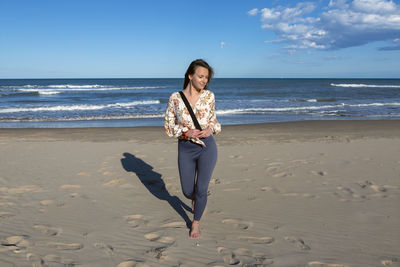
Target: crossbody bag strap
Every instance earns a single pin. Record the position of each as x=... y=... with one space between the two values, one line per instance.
x=189 y=108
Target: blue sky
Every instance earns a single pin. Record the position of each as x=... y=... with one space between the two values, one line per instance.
x=157 y=39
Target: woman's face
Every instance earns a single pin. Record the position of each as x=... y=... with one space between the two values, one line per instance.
x=200 y=78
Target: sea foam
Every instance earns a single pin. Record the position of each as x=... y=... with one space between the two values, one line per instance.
x=355 y=85
x=78 y=107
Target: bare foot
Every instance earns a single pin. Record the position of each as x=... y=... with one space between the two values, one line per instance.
x=195 y=231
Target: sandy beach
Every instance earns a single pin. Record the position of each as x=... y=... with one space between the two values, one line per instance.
x=313 y=193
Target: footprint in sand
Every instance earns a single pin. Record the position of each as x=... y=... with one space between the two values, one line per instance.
x=34 y=258
x=298 y=242
x=290 y=194
x=258 y=240
x=217 y=212
x=262 y=261
x=243 y=252
x=238 y=223
x=247 y=258
x=4 y=215
x=142 y=264
x=372 y=185
x=113 y=182
x=157 y=237
x=46 y=202
x=228 y=256
x=344 y=193
x=70 y=186
x=22 y=189
x=395 y=262
x=58 y=259
x=48 y=230
x=235 y=156
x=347 y=194
x=174 y=225
x=302 y=161
x=106 y=248
x=322 y=264
x=84 y=174
x=215 y=181
x=166 y=240
x=378 y=188
x=131 y=263
x=272 y=169
x=281 y=175
x=157 y=252
x=275 y=164
x=231 y=189
x=152 y=236
x=16 y=242
x=135 y=220
x=127 y=264
x=319 y=173
x=72 y=195
x=346 y=190
x=65 y=246
x=51 y=258
x=270 y=189
x=171 y=187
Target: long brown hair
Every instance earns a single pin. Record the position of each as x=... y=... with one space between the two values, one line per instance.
x=192 y=69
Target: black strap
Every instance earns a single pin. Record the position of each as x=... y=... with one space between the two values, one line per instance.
x=189 y=108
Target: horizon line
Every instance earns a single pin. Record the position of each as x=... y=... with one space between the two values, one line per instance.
x=110 y=78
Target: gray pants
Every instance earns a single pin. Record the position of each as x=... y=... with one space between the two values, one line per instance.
x=192 y=159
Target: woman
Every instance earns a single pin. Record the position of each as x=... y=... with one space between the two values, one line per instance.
x=197 y=151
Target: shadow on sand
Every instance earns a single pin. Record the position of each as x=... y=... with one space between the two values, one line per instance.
x=154 y=183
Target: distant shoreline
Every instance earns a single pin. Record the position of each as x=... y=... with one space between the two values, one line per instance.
x=261 y=132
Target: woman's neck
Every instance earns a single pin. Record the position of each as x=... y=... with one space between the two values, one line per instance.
x=192 y=91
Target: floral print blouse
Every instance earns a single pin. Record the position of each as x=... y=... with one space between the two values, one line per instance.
x=178 y=119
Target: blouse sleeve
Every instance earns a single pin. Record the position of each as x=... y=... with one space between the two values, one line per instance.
x=212 y=120
x=171 y=124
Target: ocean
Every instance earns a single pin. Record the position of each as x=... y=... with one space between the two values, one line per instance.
x=71 y=103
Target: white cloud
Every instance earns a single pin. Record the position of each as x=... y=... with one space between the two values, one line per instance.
x=253 y=12
x=269 y=14
x=222 y=45
x=373 y=6
x=338 y=3
x=274 y=41
x=338 y=25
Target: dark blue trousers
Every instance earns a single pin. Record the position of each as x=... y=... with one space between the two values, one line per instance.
x=195 y=159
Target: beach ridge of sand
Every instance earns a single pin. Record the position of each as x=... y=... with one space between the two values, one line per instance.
x=317 y=194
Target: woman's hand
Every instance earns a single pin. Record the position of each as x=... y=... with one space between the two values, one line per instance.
x=205 y=133
x=193 y=133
